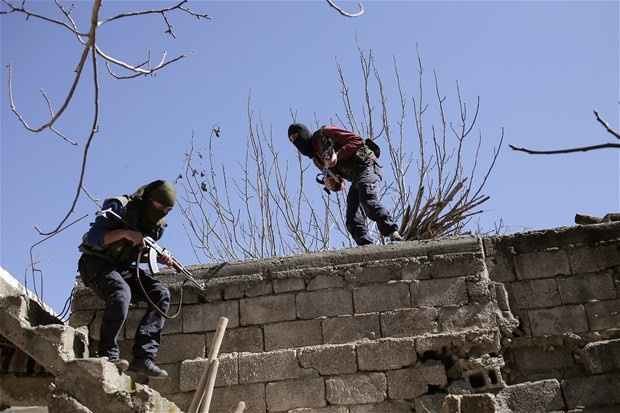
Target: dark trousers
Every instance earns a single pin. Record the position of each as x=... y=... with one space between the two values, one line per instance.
x=363 y=201
x=117 y=287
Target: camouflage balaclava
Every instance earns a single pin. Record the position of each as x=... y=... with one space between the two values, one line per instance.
x=304 y=139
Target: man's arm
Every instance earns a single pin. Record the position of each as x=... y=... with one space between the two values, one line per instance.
x=104 y=232
x=349 y=142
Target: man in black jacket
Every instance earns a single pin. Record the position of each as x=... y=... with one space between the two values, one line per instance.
x=108 y=267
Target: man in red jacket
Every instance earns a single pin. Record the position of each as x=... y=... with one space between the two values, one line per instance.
x=348 y=157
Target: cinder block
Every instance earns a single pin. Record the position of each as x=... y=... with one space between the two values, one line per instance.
x=329 y=359
x=413 y=382
x=478 y=403
x=225 y=399
x=286 y=285
x=533 y=360
x=259 y=289
x=392 y=406
x=592 y=258
x=501 y=268
x=346 y=329
x=542 y=264
x=190 y=372
x=272 y=366
x=457 y=265
x=267 y=309
x=235 y=291
x=292 y=334
x=602 y=356
x=592 y=391
x=204 y=317
x=410 y=322
x=178 y=347
x=386 y=354
x=373 y=272
x=439 y=292
x=603 y=314
x=434 y=346
x=381 y=297
x=478 y=341
x=324 y=303
x=540 y=396
x=240 y=339
x=416 y=269
x=322 y=282
x=558 y=320
x=286 y=395
x=579 y=289
x=473 y=316
x=534 y=294
x=356 y=389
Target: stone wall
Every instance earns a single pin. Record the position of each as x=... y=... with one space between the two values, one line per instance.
x=518 y=323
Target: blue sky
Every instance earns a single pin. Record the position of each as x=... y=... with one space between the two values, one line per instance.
x=539 y=67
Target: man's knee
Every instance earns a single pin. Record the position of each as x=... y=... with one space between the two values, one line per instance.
x=161 y=295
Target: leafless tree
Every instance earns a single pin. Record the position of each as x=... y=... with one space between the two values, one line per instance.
x=92 y=53
x=579 y=149
x=91 y=50
x=266 y=210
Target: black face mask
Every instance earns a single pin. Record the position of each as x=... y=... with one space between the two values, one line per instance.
x=303 y=142
x=152 y=214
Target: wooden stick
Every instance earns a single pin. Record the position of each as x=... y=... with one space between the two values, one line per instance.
x=213 y=351
x=206 y=402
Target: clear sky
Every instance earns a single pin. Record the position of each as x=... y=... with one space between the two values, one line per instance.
x=539 y=67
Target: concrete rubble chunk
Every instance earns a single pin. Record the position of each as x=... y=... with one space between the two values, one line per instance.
x=529 y=397
x=482 y=374
x=602 y=356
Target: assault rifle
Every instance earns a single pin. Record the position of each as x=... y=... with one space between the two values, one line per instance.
x=328 y=153
x=155 y=250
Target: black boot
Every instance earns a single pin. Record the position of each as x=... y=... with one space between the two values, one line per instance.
x=147 y=367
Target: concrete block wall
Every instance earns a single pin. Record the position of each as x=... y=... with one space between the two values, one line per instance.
x=397 y=328
x=564 y=287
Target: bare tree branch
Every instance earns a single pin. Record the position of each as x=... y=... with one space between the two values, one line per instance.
x=579 y=149
x=569 y=150
x=344 y=13
x=606 y=125
x=39 y=16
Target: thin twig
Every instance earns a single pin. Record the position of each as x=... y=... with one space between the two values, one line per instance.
x=344 y=13
x=569 y=150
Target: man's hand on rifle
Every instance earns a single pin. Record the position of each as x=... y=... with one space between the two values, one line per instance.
x=332 y=161
x=166 y=259
x=332 y=184
x=135 y=237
